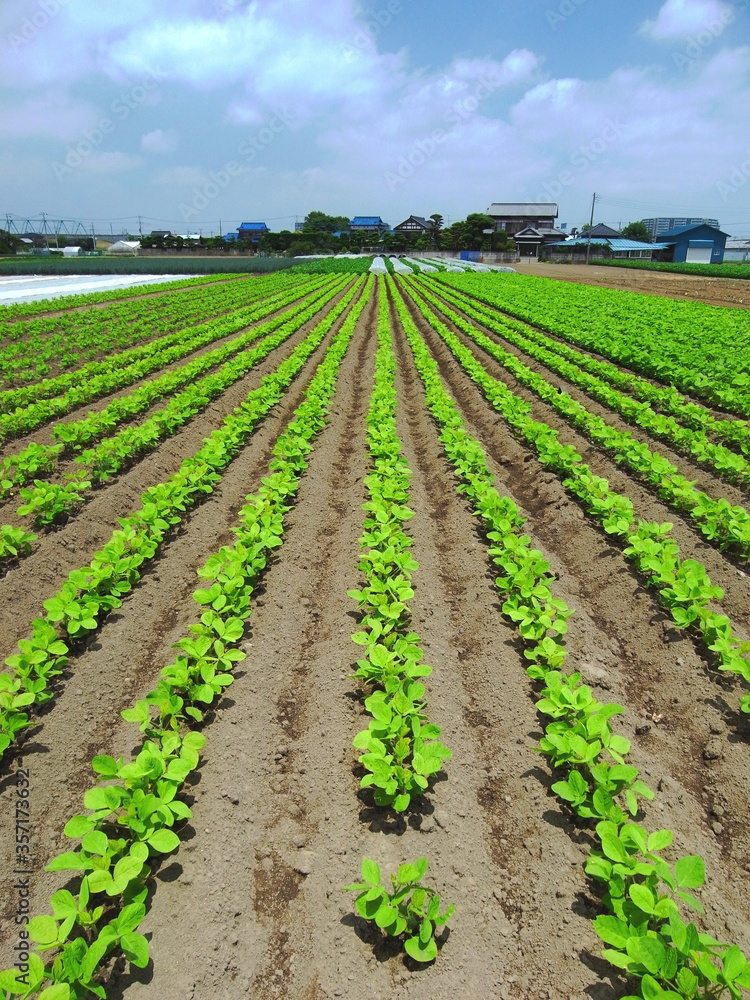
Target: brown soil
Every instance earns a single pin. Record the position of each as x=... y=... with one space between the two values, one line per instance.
x=733 y=292
x=251 y=904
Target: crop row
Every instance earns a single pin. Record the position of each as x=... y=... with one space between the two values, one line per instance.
x=700 y=349
x=140 y=799
x=91 y=592
x=693 y=429
x=725 y=525
x=682 y=586
x=32 y=349
x=647 y=936
x=150 y=359
x=399 y=748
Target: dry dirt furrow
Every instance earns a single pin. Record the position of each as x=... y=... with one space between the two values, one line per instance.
x=37 y=577
x=698 y=758
x=122 y=663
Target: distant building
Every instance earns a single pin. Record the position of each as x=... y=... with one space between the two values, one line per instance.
x=368 y=224
x=600 y=246
x=695 y=244
x=252 y=231
x=415 y=224
x=600 y=231
x=737 y=251
x=513 y=216
x=664 y=224
x=71 y=251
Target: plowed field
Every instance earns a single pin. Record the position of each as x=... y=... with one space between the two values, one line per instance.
x=251 y=904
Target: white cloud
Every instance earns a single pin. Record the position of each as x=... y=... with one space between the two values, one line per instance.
x=159 y=141
x=684 y=18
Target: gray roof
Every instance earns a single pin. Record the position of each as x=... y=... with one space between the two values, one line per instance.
x=523 y=208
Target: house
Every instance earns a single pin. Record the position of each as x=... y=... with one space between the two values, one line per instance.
x=252 y=231
x=659 y=227
x=368 y=224
x=600 y=231
x=737 y=251
x=513 y=216
x=530 y=240
x=416 y=224
x=696 y=244
x=606 y=247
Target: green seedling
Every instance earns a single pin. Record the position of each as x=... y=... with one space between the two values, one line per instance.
x=410 y=911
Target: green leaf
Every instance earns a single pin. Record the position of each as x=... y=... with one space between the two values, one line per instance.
x=370 y=872
x=660 y=839
x=43 y=930
x=164 y=841
x=415 y=950
x=647 y=951
x=95 y=842
x=135 y=947
x=78 y=826
x=734 y=962
x=690 y=872
x=58 y=991
x=642 y=897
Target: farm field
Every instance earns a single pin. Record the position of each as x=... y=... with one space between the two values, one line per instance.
x=542 y=490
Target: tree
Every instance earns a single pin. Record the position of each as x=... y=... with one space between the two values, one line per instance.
x=319 y=222
x=637 y=231
x=476 y=223
x=437 y=225
x=8 y=242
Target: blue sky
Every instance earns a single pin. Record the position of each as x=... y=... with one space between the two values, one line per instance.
x=215 y=112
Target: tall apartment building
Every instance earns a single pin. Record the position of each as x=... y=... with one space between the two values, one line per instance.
x=665 y=225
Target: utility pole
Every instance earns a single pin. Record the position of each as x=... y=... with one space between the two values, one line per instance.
x=591 y=226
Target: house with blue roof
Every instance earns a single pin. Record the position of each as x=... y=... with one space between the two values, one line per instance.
x=248 y=232
x=368 y=224
x=699 y=243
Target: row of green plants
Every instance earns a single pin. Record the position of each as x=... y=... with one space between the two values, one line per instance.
x=692 y=431
x=700 y=349
x=34 y=348
x=702 y=270
x=48 y=501
x=645 y=933
x=24 y=310
x=725 y=525
x=85 y=390
x=135 y=813
x=333 y=265
x=185 y=328
x=91 y=592
x=683 y=586
x=400 y=750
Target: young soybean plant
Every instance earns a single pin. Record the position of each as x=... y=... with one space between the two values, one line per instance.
x=411 y=909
